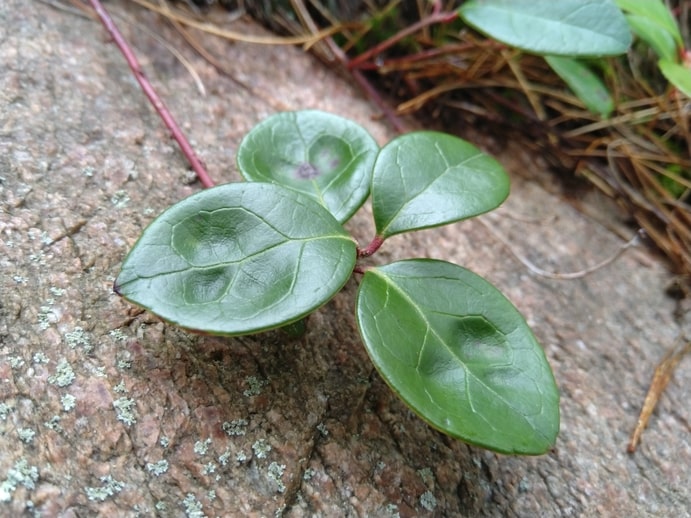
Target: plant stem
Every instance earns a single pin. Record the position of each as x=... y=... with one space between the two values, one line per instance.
x=371 y=248
x=437 y=17
x=148 y=89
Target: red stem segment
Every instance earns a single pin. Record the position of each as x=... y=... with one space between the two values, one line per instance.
x=163 y=112
x=435 y=17
x=371 y=248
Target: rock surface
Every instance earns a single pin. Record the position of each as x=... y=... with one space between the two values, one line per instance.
x=106 y=411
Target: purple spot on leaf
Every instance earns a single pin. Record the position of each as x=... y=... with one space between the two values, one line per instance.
x=306 y=171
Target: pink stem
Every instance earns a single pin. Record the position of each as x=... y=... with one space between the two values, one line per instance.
x=163 y=112
x=371 y=248
x=435 y=17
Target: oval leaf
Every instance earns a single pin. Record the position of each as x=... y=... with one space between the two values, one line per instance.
x=237 y=259
x=656 y=12
x=584 y=83
x=659 y=39
x=677 y=74
x=425 y=179
x=323 y=155
x=564 y=28
x=459 y=354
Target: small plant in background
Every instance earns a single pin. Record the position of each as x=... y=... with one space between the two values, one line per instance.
x=654 y=24
x=252 y=256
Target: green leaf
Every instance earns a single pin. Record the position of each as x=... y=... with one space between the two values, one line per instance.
x=678 y=75
x=656 y=13
x=659 y=39
x=323 y=155
x=563 y=27
x=425 y=179
x=584 y=83
x=459 y=354
x=237 y=259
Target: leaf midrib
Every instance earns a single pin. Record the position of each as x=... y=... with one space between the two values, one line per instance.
x=431 y=329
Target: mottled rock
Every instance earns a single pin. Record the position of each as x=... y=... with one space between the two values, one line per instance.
x=106 y=411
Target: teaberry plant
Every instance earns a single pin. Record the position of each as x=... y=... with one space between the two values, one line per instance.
x=248 y=257
x=258 y=255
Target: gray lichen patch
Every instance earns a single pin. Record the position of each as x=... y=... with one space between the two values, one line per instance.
x=157 y=468
x=275 y=473
x=64 y=375
x=46 y=315
x=5 y=409
x=109 y=488
x=193 y=507
x=26 y=435
x=261 y=448
x=20 y=474
x=68 y=402
x=201 y=447
x=79 y=338
x=254 y=386
x=124 y=409
x=428 y=501
x=236 y=427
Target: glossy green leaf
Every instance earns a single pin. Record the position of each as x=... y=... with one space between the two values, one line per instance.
x=323 y=155
x=237 y=259
x=584 y=83
x=659 y=39
x=459 y=354
x=563 y=27
x=425 y=179
x=678 y=75
x=656 y=13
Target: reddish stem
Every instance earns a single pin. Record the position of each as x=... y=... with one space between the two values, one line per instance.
x=163 y=112
x=435 y=17
x=371 y=248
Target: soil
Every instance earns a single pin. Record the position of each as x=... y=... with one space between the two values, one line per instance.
x=106 y=411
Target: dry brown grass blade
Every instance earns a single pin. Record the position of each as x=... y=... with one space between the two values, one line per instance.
x=661 y=378
x=307 y=40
